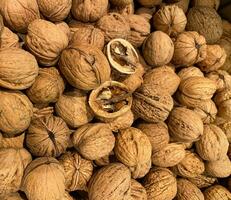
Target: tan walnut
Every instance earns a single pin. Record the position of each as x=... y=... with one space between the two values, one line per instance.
x=16 y=142
x=138 y=192
x=217 y=192
x=209 y=3
x=8 y=38
x=13 y=196
x=202 y=181
x=188 y=72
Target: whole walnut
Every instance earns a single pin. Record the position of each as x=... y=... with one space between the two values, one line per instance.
x=134 y=150
x=114 y=25
x=160 y=183
x=18 y=14
x=93 y=141
x=77 y=170
x=170 y=19
x=157 y=133
x=138 y=192
x=46 y=41
x=16 y=142
x=158 y=49
x=202 y=181
x=55 y=10
x=110 y=183
x=214 y=60
x=52 y=134
x=120 y=3
x=191 y=166
x=217 y=192
x=73 y=108
x=187 y=190
x=213 y=144
x=163 y=78
x=18 y=68
x=149 y=3
x=147 y=13
x=39 y=178
x=190 y=48
x=12 y=165
x=152 y=105
x=89 y=11
x=185 y=125
x=140 y=29
x=209 y=3
x=168 y=156
x=206 y=22
x=47 y=88
x=85 y=67
x=13 y=196
x=8 y=38
x=16 y=112
x=188 y=72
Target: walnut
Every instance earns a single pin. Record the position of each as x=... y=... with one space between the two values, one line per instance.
x=39 y=178
x=72 y=106
x=187 y=190
x=93 y=141
x=158 y=49
x=63 y=26
x=190 y=48
x=206 y=22
x=134 y=150
x=78 y=170
x=12 y=142
x=185 y=125
x=47 y=88
x=147 y=13
x=225 y=125
x=209 y=3
x=124 y=10
x=163 y=78
x=214 y=60
x=190 y=72
x=157 y=134
x=117 y=176
x=12 y=74
x=85 y=67
x=41 y=42
x=106 y=160
x=202 y=181
x=138 y=192
x=149 y=3
x=219 y=168
x=191 y=166
x=183 y=4
x=13 y=196
x=8 y=39
x=120 y=3
x=217 y=192
x=12 y=165
x=213 y=144
x=114 y=25
x=160 y=183
x=18 y=14
x=67 y=196
x=52 y=134
x=55 y=10
x=170 y=19
x=140 y=29
x=89 y=11
x=16 y=112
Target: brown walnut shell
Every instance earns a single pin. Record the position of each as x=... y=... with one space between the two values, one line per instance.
x=205 y=21
x=39 y=178
x=190 y=72
x=46 y=41
x=120 y=3
x=93 y=141
x=160 y=183
x=183 y=4
x=115 y=175
x=134 y=150
x=16 y=142
x=190 y=48
x=18 y=68
x=8 y=39
x=138 y=192
x=47 y=136
x=147 y=13
x=124 y=10
x=202 y=181
x=85 y=67
x=149 y=3
x=225 y=125
x=63 y=26
x=217 y=192
x=77 y=170
x=209 y=3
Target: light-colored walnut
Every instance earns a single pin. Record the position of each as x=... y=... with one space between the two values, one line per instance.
x=13 y=196
x=202 y=181
x=16 y=142
x=8 y=38
x=190 y=72
x=225 y=125
x=217 y=192
x=138 y=192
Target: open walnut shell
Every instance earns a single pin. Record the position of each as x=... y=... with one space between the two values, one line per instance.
x=110 y=100
x=122 y=56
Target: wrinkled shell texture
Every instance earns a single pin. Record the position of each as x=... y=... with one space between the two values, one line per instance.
x=55 y=10
x=126 y=10
x=18 y=14
x=202 y=181
x=138 y=192
x=13 y=196
x=78 y=170
x=146 y=12
x=170 y=19
x=160 y=183
x=39 y=178
x=217 y=192
x=18 y=68
x=183 y=4
x=12 y=142
x=46 y=41
x=158 y=49
x=16 y=112
x=209 y=3
x=134 y=150
x=65 y=28
x=47 y=136
x=85 y=67
x=8 y=39
x=93 y=141
x=206 y=22
x=190 y=72
x=117 y=176
x=190 y=48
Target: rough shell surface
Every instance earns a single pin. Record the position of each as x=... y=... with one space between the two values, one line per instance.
x=8 y=39
x=209 y=3
x=217 y=192
x=190 y=72
x=16 y=142
x=202 y=181
x=149 y=3
x=138 y=192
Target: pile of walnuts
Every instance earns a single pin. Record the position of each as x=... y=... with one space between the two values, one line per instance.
x=114 y=100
